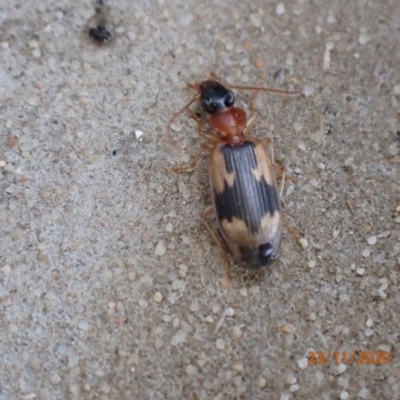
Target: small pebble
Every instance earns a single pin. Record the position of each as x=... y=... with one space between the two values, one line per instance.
x=294 y=388
x=157 y=297
x=262 y=383
x=2 y=163
x=280 y=9
x=385 y=347
x=341 y=368
x=237 y=331
x=366 y=253
x=220 y=343
x=382 y=294
x=33 y=44
x=160 y=248
x=369 y=332
x=360 y=271
x=308 y=90
x=311 y=264
x=290 y=380
x=138 y=135
x=287 y=329
x=302 y=363
x=55 y=379
x=372 y=240
x=191 y=370
x=84 y=325
x=256 y=20
x=176 y=284
x=28 y=396
x=143 y=303
x=229 y=312
x=216 y=308
x=344 y=395
x=303 y=242
x=105 y=388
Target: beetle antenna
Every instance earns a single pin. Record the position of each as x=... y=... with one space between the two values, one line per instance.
x=176 y=115
x=265 y=89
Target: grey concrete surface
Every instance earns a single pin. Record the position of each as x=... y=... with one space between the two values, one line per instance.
x=110 y=287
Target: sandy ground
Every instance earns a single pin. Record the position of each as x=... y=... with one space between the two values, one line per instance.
x=110 y=286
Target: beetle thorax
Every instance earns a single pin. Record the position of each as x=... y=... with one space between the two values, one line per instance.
x=229 y=124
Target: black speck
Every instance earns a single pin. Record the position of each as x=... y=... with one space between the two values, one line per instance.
x=277 y=73
x=114 y=153
x=348 y=99
x=100 y=34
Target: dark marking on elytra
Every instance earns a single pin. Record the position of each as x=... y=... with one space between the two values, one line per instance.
x=248 y=199
x=259 y=257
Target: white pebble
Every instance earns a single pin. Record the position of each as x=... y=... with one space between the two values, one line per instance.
x=191 y=370
x=143 y=303
x=302 y=363
x=369 y=332
x=364 y=38
x=385 y=347
x=138 y=135
x=262 y=383
x=84 y=325
x=169 y=227
x=294 y=388
x=55 y=379
x=370 y=323
x=216 y=308
x=341 y=368
x=220 y=343
x=344 y=395
x=366 y=253
x=330 y=19
x=360 y=271
x=382 y=294
x=157 y=297
x=33 y=44
x=237 y=331
x=160 y=248
x=290 y=380
x=280 y=9
x=229 y=312
x=178 y=338
x=308 y=90
x=311 y=264
x=372 y=240
x=303 y=242
x=256 y=20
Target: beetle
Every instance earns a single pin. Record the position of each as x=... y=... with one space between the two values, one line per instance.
x=246 y=199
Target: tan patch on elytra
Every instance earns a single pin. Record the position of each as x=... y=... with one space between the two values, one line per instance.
x=271 y=223
x=218 y=172
x=264 y=165
x=236 y=231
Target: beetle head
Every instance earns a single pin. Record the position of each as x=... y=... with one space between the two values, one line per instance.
x=215 y=97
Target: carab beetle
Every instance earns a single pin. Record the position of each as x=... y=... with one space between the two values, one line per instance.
x=245 y=195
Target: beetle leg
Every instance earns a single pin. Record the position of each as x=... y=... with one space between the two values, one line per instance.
x=208 y=211
x=192 y=165
x=250 y=123
x=209 y=136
